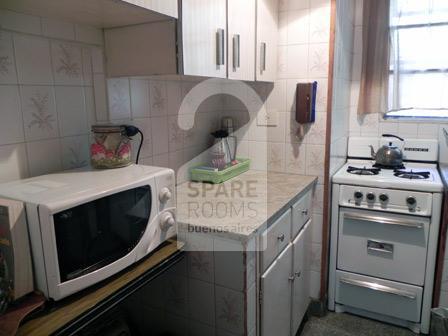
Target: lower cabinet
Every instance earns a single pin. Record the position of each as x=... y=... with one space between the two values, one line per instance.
x=276 y=296
x=285 y=288
x=301 y=283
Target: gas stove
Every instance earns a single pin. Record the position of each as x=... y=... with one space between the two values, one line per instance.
x=384 y=234
x=413 y=176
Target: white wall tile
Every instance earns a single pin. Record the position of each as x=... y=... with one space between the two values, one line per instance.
x=157 y=98
x=159 y=127
x=97 y=60
x=201 y=298
x=13 y=162
x=32 y=59
x=319 y=30
x=44 y=157
x=99 y=88
x=276 y=157
x=20 y=22
x=11 y=125
x=297 y=61
x=318 y=60
x=295 y=159
x=8 y=74
x=229 y=310
x=298 y=27
x=58 y=29
x=75 y=152
x=119 y=98
x=139 y=98
x=87 y=71
x=40 y=120
x=71 y=109
x=67 y=63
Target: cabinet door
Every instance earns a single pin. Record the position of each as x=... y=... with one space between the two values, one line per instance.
x=301 y=283
x=204 y=38
x=266 y=48
x=241 y=39
x=276 y=296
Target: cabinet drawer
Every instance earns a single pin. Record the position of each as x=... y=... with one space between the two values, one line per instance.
x=393 y=247
x=276 y=238
x=379 y=296
x=301 y=212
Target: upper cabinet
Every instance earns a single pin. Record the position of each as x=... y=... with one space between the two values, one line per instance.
x=266 y=48
x=204 y=25
x=97 y=13
x=241 y=39
x=233 y=39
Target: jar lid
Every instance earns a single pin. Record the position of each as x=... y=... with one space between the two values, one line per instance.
x=108 y=129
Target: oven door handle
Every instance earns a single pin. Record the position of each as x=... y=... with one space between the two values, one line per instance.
x=379 y=288
x=383 y=220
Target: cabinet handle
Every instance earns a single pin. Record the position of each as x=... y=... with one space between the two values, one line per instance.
x=378 y=246
x=415 y=224
x=291 y=278
x=220 y=47
x=379 y=288
x=236 y=51
x=305 y=212
x=262 y=57
x=298 y=274
x=281 y=237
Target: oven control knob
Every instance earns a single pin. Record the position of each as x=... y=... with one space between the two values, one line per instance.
x=358 y=195
x=411 y=201
x=165 y=195
x=166 y=221
x=384 y=198
x=370 y=196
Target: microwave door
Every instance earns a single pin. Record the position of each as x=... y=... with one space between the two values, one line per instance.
x=96 y=234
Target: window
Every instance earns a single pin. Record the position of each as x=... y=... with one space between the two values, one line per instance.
x=418 y=83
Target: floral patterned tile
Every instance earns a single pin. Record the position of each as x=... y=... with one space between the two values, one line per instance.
x=39 y=112
x=8 y=73
x=67 y=63
x=229 y=310
x=119 y=98
x=75 y=152
x=276 y=157
x=315 y=160
x=295 y=158
x=318 y=60
x=157 y=98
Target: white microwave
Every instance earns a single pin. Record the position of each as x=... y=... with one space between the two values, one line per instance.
x=87 y=225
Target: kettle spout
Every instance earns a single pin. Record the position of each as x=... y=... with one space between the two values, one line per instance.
x=372 y=152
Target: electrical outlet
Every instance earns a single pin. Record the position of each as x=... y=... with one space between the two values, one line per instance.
x=267 y=118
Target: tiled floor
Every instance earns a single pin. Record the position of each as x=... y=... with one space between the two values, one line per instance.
x=348 y=325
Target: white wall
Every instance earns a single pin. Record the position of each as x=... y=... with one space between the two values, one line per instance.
x=47 y=74
x=342 y=74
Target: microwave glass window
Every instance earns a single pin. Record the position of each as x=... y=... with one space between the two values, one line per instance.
x=95 y=234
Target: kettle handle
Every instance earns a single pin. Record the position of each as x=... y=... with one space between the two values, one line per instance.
x=392 y=136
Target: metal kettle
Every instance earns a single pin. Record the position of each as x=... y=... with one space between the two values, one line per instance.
x=389 y=155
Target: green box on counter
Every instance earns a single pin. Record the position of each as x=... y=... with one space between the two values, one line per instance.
x=219 y=176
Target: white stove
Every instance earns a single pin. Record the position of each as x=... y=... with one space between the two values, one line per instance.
x=363 y=173
x=384 y=233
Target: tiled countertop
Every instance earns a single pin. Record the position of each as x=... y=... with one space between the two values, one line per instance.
x=241 y=207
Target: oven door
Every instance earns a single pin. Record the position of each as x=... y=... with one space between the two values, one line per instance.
x=98 y=238
x=383 y=245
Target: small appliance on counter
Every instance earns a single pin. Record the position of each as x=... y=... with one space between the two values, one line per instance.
x=111 y=146
x=223 y=164
x=85 y=225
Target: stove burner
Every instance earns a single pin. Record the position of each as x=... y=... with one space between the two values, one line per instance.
x=377 y=165
x=409 y=174
x=363 y=171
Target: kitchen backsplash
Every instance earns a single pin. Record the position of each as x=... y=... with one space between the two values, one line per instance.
x=50 y=72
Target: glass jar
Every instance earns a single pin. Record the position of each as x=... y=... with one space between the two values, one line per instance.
x=110 y=148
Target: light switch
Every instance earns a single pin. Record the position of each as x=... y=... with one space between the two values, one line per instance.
x=267 y=118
